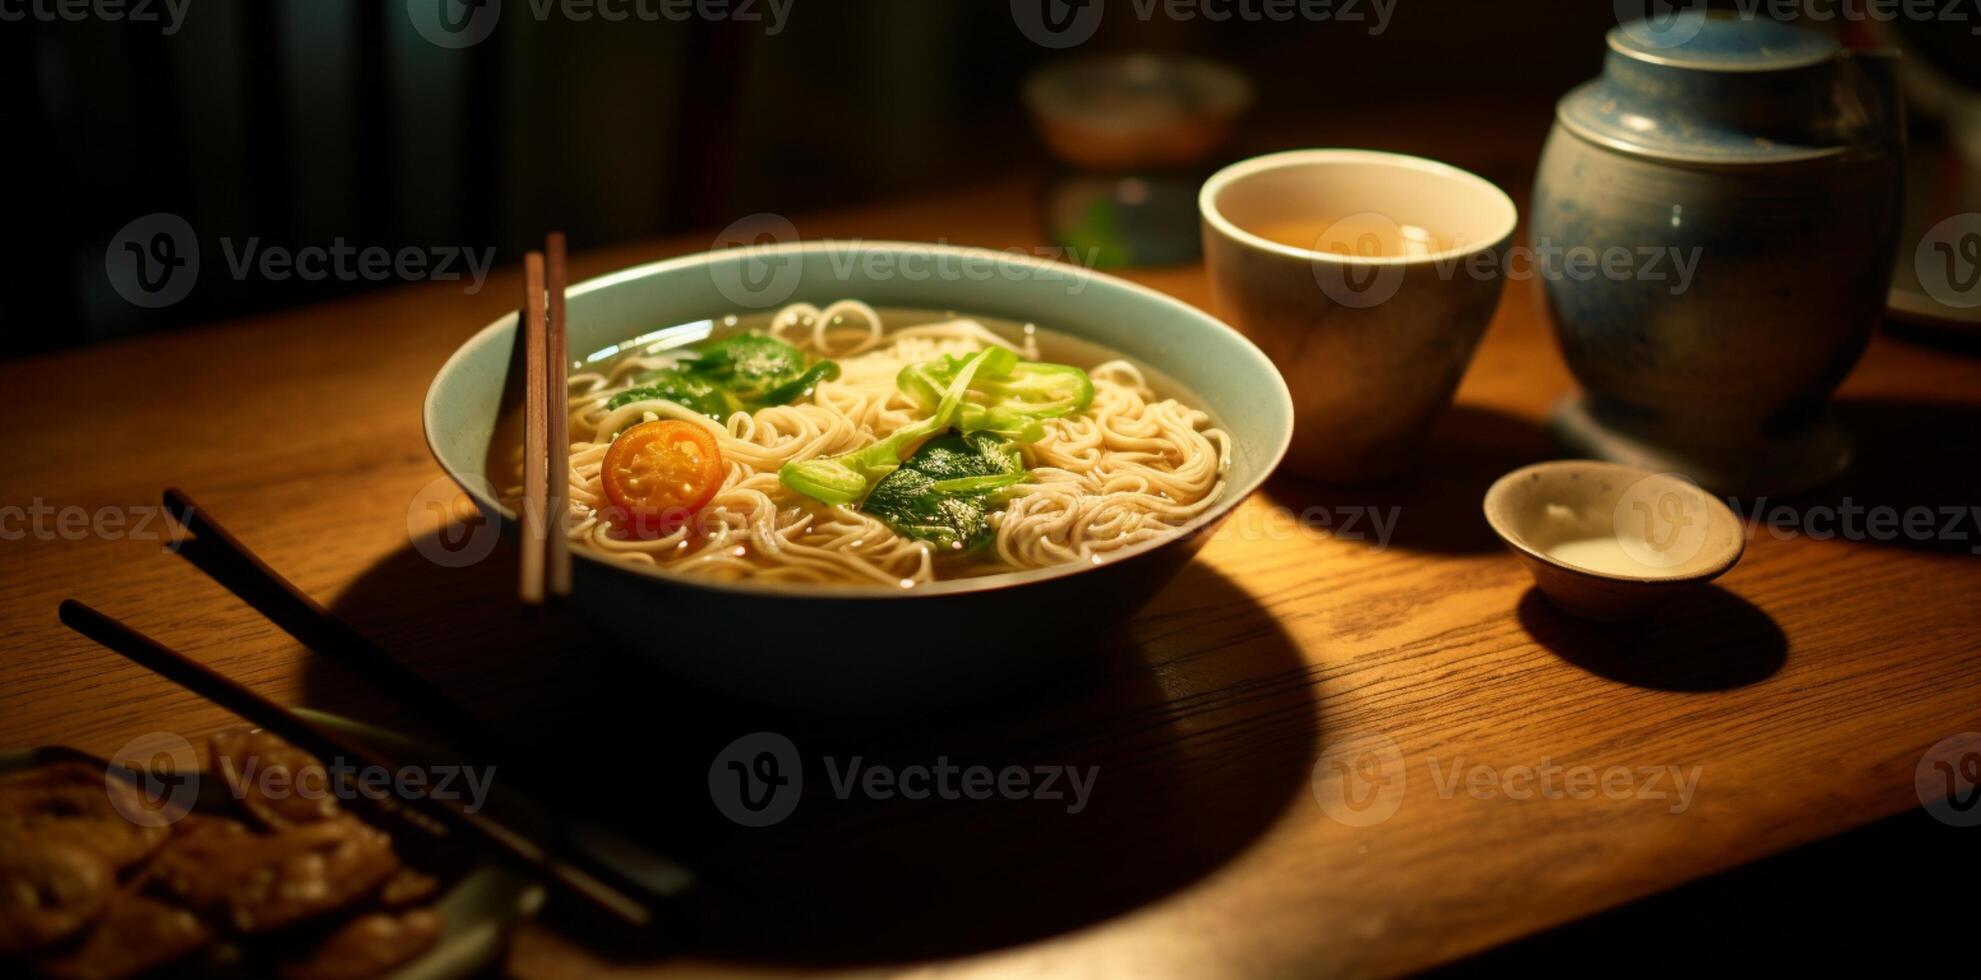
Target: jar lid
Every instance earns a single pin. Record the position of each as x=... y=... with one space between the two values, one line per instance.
x=1721 y=41
x=1717 y=88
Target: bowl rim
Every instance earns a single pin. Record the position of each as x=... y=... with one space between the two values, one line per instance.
x=1288 y=159
x=1496 y=493
x=1233 y=496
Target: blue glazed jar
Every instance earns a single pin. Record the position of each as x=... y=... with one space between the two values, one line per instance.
x=1714 y=226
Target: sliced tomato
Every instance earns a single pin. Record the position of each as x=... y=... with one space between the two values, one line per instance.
x=658 y=474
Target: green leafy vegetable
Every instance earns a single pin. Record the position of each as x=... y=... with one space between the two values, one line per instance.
x=845 y=478
x=742 y=373
x=1013 y=395
x=802 y=385
x=750 y=365
x=687 y=390
x=945 y=493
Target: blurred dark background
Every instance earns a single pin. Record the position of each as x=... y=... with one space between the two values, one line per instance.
x=297 y=122
x=300 y=122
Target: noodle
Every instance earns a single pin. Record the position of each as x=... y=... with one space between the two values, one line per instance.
x=1128 y=469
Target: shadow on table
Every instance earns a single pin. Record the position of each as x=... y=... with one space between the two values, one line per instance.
x=1707 y=640
x=1917 y=457
x=1436 y=506
x=1168 y=753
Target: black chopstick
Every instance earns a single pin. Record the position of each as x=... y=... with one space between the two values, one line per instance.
x=214 y=550
x=223 y=691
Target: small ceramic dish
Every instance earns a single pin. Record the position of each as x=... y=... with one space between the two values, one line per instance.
x=1610 y=542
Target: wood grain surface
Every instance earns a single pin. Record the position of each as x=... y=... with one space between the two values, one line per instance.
x=1795 y=701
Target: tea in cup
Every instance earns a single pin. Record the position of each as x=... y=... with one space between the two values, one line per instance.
x=1368 y=278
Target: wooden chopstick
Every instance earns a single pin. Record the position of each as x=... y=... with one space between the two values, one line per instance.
x=536 y=430
x=329 y=746
x=558 y=392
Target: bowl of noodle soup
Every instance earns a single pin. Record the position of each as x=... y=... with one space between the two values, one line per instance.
x=858 y=476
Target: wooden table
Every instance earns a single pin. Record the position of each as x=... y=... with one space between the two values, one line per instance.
x=1800 y=697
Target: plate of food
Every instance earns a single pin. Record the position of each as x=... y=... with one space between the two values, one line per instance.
x=109 y=872
x=845 y=480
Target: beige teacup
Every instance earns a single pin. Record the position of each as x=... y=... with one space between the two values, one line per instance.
x=1368 y=278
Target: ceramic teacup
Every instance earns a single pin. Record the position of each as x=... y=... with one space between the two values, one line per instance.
x=1368 y=278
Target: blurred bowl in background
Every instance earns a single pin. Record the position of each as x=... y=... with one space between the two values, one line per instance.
x=1135 y=111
